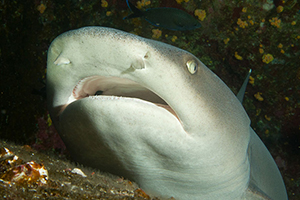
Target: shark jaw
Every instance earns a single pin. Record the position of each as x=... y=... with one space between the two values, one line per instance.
x=107 y=88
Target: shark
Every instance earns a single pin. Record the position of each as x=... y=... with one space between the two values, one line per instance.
x=155 y=114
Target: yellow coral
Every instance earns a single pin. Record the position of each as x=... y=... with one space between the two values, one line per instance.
x=268 y=118
x=104 y=3
x=174 y=38
x=142 y=3
x=261 y=50
x=139 y=5
x=226 y=40
x=41 y=8
x=201 y=14
x=280 y=46
x=293 y=23
x=258 y=96
x=237 y=56
x=267 y=58
x=258 y=111
x=179 y=1
x=49 y=121
x=108 y=13
x=279 y=9
x=244 y=9
x=275 y=22
x=156 y=33
x=282 y=51
x=286 y=98
x=251 y=80
x=136 y=22
x=241 y=23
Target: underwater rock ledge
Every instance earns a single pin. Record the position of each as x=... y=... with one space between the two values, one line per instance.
x=64 y=180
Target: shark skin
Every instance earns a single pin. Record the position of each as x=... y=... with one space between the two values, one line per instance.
x=155 y=114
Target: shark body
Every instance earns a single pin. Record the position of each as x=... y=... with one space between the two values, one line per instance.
x=155 y=114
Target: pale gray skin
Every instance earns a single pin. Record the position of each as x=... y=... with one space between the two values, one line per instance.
x=206 y=151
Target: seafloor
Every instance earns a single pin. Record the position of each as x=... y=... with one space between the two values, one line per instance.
x=235 y=36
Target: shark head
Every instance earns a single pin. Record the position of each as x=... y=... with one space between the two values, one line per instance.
x=155 y=114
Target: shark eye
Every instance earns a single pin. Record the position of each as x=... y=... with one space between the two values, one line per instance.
x=192 y=66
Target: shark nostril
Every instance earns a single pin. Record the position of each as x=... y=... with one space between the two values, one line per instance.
x=62 y=61
x=147 y=55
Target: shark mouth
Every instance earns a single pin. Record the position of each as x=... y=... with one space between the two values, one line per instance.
x=115 y=87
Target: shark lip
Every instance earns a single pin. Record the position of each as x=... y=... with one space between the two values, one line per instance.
x=115 y=86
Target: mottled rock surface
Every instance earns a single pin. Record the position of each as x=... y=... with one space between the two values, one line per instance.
x=65 y=180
